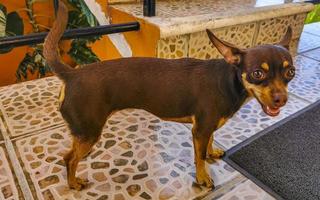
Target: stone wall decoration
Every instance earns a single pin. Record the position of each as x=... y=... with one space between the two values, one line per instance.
x=272 y=30
x=240 y=35
x=173 y=47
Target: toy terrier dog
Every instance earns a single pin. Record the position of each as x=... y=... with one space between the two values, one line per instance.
x=203 y=92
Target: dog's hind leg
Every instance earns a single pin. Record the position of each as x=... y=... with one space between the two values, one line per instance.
x=85 y=133
x=80 y=148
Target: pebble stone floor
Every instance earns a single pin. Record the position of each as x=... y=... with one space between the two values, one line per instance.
x=139 y=156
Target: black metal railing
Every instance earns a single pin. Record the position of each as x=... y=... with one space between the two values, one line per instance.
x=37 y=38
x=149 y=8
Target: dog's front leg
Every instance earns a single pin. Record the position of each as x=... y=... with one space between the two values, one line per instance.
x=201 y=132
x=213 y=153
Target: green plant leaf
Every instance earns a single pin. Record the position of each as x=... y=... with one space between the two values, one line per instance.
x=83 y=9
x=14 y=24
x=82 y=17
x=22 y=71
x=86 y=11
x=81 y=53
x=32 y=62
x=313 y=16
x=77 y=19
x=10 y=25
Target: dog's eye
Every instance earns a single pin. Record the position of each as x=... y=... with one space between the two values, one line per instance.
x=258 y=75
x=290 y=73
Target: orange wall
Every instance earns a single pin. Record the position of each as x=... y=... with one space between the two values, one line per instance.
x=143 y=42
x=10 y=61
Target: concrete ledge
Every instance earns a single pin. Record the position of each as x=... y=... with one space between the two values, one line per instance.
x=183 y=17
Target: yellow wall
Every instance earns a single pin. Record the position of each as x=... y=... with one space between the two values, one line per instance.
x=143 y=42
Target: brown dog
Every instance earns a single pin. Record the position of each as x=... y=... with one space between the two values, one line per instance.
x=203 y=92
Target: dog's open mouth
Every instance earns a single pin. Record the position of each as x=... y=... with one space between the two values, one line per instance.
x=271 y=111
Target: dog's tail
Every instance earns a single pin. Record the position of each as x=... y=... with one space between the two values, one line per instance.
x=50 y=46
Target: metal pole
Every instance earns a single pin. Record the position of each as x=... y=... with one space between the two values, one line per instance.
x=37 y=38
x=149 y=8
x=56 y=5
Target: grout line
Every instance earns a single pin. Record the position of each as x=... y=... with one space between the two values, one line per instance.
x=6 y=119
x=226 y=188
x=185 y=124
x=311 y=33
x=217 y=144
x=15 y=164
x=37 y=132
x=300 y=98
x=303 y=54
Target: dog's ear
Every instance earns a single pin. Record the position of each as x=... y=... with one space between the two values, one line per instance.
x=285 y=41
x=231 y=54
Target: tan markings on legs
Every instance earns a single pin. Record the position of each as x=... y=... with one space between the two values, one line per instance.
x=61 y=95
x=187 y=119
x=79 y=150
x=202 y=176
x=215 y=153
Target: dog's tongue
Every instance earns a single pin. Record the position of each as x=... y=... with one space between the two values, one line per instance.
x=271 y=111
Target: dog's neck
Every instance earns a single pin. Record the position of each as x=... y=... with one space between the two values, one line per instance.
x=237 y=90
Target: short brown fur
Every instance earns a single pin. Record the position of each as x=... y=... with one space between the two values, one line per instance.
x=204 y=92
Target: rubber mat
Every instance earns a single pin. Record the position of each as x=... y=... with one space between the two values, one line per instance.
x=284 y=159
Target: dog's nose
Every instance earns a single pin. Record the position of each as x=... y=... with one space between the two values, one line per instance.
x=279 y=99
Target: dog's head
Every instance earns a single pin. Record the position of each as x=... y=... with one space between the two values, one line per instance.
x=265 y=70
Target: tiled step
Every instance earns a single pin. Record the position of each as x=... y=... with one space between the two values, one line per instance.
x=182 y=24
x=9 y=189
x=246 y=190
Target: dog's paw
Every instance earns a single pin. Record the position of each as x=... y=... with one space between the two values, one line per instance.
x=205 y=180
x=214 y=154
x=79 y=184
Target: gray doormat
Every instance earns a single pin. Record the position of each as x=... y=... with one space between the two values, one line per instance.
x=284 y=159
